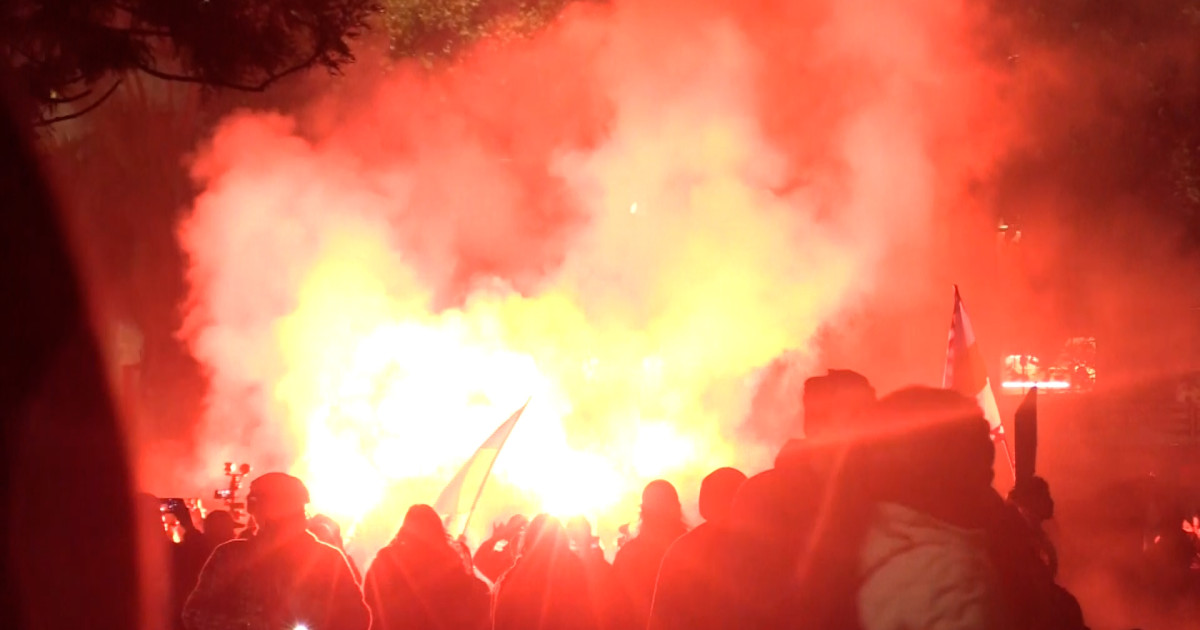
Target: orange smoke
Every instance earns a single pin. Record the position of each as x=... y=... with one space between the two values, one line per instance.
x=626 y=218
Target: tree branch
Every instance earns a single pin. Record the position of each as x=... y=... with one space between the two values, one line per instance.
x=56 y=100
x=256 y=87
x=104 y=97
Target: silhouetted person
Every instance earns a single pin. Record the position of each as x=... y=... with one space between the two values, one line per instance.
x=182 y=560
x=782 y=515
x=1033 y=501
x=924 y=561
x=833 y=405
x=219 y=527
x=329 y=532
x=170 y=584
x=758 y=560
x=607 y=596
x=623 y=535
x=282 y=577
x=636 y=564
x=498 y=553
x=586 y=546
x=1027 y=561
x=547 y=588
x=419 y=582
x=692 y=580
x=61 y=440
x=464 y=553
x=1169 y=556
x=188 y=557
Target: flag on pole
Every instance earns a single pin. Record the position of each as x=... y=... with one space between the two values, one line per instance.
x=966 y=372
x=458 y=500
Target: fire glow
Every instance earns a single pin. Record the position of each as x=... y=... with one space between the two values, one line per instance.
x=373 y=295
x=1037 y=384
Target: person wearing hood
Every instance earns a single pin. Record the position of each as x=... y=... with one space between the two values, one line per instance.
x=692 y=581
x=636 y=564
x=547 y=588
x=498 y=553
x=329 y=532
x=419 y=580
x=924 y=558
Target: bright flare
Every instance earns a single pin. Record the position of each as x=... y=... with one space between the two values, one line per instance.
x=374 y=287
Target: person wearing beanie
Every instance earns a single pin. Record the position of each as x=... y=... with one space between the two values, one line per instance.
x=784 y=513
x=833 y=405
x=283 y=577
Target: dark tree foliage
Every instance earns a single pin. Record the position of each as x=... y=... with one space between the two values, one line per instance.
x=70 y=55
x=434 y=30
x=1116 y=123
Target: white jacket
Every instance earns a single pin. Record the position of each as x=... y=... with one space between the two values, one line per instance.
x=920 y=573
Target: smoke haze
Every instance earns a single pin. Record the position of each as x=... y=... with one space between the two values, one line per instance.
x=656 y=219
x=626 y=218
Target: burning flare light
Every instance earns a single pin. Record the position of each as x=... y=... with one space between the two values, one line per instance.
x=624 y=219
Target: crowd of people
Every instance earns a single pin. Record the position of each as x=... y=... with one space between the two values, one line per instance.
x=883 y=517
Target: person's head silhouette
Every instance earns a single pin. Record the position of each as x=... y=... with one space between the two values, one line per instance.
x=277 y=501
x=931 y=449
x=532 y=532
x=717 y=492
x=661 y=509
x=832 y=400
x=326 y=530
x=219 y=527
x=422 y=523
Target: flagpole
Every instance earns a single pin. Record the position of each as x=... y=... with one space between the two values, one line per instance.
x=1000 y=437
x=488 y=474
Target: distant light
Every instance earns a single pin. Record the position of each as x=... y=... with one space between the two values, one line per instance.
x=1038 y=384
x=300 y=626
x=633 y=208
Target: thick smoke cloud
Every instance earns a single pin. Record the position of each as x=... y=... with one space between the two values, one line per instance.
x=627 y=217
x=1102 y=181
x=1102 y=177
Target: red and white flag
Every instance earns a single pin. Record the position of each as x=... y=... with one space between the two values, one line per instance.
x=966 y=373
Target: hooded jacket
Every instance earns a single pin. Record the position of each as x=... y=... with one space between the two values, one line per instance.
x=920 y=572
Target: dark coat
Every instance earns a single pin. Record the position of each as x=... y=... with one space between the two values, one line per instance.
x=424 y=586
x=276 y=582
